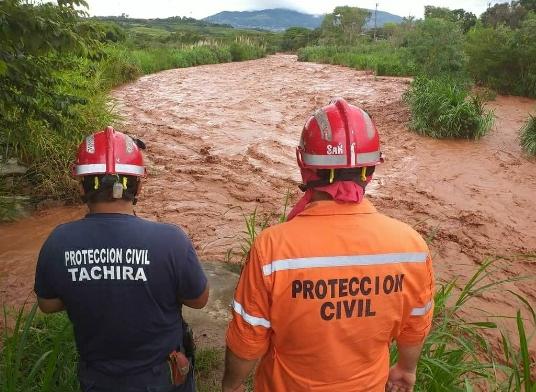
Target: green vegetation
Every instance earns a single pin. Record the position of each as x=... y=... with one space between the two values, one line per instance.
x=528 y=136
x=496 y=51
x=255 y=223
x=344 y=25
x=503 y=58
x=295 y=38
x=380 y=58
x=458 y=354
x=39 y=354
x=442 y=108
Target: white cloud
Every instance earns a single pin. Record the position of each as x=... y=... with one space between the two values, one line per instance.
x=203 y=8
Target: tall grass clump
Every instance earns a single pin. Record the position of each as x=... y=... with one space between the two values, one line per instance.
x=458 y=353
x=244 y=50
x=38 y=354
x=528 y=136
x=443 y=108
x=381 y=58
x=255 y=222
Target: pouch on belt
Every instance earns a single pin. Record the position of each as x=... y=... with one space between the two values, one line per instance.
x=180 y=366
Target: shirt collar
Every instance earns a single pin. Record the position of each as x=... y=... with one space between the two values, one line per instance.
x=332 y=207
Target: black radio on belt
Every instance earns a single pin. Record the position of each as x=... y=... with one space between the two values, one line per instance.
x=188 y=340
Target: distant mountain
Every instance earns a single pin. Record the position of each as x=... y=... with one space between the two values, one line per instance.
x=281 y=19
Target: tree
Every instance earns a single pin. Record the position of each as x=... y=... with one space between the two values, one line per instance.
x=438 y=12
x=295 y=38
x=344 y=24
x=503 y=58
x=36 y=41
x=508 y=14
x=464 y=19
x=529 y=5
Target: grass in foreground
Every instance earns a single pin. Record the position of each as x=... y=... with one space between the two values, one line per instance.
x=458 y=354
x=443 y=108
x=528 y=136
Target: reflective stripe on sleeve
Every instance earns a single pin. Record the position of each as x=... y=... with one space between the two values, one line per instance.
x=424 y=310
x=343 y=261
x=252 y=320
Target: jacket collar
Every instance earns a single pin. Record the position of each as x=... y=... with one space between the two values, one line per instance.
x=332 y=207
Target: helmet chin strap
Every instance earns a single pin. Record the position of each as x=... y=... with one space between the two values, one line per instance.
x=361 y=179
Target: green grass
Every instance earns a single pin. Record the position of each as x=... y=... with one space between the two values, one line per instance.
x=381 y=58
x=443 y=108
x=458 y=354
x=255 y=223
x=528 y=136
x=39 y=354
x=208 y=369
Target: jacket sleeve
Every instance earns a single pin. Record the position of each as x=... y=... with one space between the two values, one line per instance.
x=418 y=318
x=248 y=334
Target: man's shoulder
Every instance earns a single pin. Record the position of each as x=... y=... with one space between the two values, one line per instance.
x=275 y=231
x=162 y=230
x=157 y=229
x=393 y=227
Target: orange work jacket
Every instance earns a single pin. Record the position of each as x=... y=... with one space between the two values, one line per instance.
x=322 y=297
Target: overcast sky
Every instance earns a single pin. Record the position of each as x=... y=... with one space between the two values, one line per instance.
x=202 y=8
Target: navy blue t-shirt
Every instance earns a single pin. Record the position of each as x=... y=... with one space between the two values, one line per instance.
x=121 y=279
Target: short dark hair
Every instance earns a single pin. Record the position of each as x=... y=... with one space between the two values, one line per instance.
x=99 y=188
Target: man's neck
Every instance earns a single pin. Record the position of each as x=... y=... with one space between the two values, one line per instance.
x=318 y=196
x=114 y=207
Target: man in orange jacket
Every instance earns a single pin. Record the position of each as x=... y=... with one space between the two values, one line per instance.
x=322 y=296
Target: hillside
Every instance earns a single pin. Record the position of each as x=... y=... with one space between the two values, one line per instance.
x=281 y=19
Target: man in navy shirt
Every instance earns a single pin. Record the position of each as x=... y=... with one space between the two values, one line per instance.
x=121 y=279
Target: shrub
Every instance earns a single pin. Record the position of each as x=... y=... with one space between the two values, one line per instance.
x=241 y=51
x=503 y=59
x=295 y=38
x=528 y=136
x=117 y=67
x=443 y=108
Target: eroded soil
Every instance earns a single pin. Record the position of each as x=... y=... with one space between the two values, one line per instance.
x=221 y=142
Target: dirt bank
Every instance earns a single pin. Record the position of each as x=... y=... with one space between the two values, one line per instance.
x=221 y=142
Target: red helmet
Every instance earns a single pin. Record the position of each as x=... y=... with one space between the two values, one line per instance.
x=109 y=152
x=339 y=136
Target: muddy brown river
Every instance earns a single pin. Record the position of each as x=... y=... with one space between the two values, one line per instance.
x=221 y=142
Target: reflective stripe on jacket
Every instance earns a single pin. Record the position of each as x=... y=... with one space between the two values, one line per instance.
x=322 y=297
